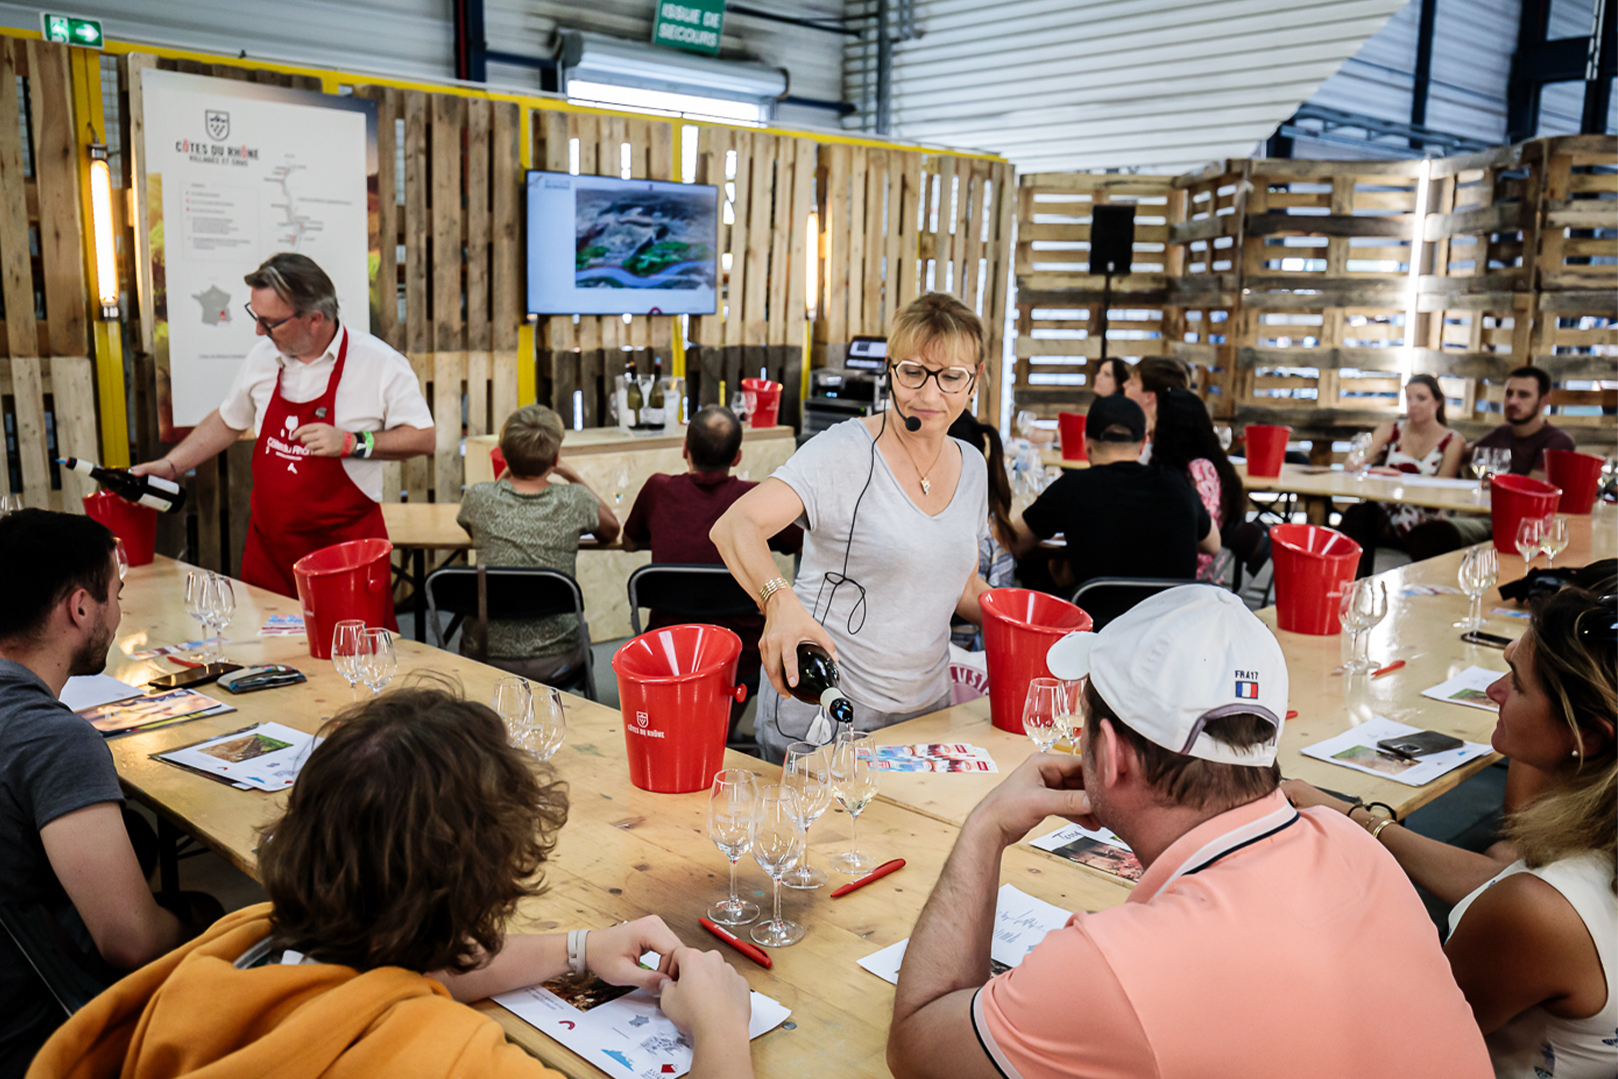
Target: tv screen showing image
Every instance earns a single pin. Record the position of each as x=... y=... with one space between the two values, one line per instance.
x=598 y=245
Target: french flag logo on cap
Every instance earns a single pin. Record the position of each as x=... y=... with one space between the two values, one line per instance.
x=1246 y=690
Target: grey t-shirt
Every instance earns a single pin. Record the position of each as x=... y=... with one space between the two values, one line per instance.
x=912 y=567
x=52 y=762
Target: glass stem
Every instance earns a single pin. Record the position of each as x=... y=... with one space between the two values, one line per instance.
x=734 y=902
x=777 y=918
x=1475 y=614
x=854 y=835
x=1363 y=641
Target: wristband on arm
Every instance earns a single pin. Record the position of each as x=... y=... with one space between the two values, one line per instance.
x=348 y=445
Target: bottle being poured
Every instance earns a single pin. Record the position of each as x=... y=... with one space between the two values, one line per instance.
x=818 y=685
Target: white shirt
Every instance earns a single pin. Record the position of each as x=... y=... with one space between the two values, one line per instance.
x=378 y=393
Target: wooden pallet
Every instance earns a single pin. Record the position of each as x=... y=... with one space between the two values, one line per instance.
x=47 y=383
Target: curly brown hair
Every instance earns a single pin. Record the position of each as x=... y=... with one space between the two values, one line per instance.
x=413 y=831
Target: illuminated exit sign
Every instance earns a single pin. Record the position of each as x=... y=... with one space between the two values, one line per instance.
x=71 y=30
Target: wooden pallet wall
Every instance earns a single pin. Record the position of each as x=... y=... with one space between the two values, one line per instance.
x=47 y=381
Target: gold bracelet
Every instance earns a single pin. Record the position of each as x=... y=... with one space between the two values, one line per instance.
x=1376 y=833
x=771 y=587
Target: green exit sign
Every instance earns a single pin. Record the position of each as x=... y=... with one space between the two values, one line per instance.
x=693 y=25
x=71 y=30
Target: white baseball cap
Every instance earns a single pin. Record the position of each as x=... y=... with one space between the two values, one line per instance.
x=1179 y=659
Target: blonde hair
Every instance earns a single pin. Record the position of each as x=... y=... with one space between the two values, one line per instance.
x=1574 y=667
x=531 y=440
x=932 y=318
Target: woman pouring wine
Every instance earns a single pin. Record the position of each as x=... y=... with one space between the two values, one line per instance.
x=892 y=510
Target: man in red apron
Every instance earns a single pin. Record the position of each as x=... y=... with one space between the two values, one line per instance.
x=328 y=404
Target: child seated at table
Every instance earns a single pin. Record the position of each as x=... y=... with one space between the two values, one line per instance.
x=413 y=832
x=525 y=518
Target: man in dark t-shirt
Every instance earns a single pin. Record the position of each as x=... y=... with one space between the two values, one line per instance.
x=673 y=515
x=1120 y=518
x=1526 y=432
x=64 y=848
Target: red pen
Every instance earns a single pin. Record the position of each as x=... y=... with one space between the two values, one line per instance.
x=876 y=874
x=1395 y=665
x=182 y=662
x=752 y=951
x=1292 y=714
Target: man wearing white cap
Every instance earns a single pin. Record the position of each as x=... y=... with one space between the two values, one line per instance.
x=1262 y=941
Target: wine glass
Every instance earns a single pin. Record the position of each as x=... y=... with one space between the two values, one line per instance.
x=1482 y=464
x=547 y=723
x=854 y=786
x=1358 y=459
x=347 y=638
x=1479 y=570
x=806 y=771
x=196 y=586
x=1499 y=460
x=1225 y=436
x=513 y=701
x=1069 y=719
x=1047 y=698
x=732 y=815
x=1553 y=537
x=120 y=556
x=778 y=845
x=1529 y=529
x=10 y=504
x=620 y=486
x=378 y=661
x=1364 y=604
x=218 y=604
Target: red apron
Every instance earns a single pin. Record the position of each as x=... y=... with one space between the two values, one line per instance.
x=302 y=502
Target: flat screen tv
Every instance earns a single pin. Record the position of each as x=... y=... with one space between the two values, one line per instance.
x=598 y=245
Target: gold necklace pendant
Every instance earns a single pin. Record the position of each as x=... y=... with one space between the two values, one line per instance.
x=926 y=486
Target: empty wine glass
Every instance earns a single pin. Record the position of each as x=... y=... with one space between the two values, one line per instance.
x=806 y=771
x=1225 y=436
x=513 y=702
x=1479 y=570
x=120 y=556
x=1047 y=699
x=378 y=661
x=196 y=586
x=854 y=784
x=218 y=604
x=10 y=504
x=732 y=814
x=1358 y=459
x=1553 y=537
x=1499 y=460
x=778 y=846
x=347 y=638
x=547 y=723
x=1529 y=529
x=1364 y=604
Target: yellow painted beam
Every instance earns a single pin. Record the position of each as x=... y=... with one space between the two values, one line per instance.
x=527 y=357
x=85 y=69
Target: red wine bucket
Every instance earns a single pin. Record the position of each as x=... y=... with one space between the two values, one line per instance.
x=676 y=686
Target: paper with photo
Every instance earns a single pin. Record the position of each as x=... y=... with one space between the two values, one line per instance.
x=1098 y=849
x=1470 y=687
x=932 y=757
x=154 y=710
x=620 y=1030
x=1020 y=923
x=282 y=625
x=168 y=650
x=1356 y=749
x=265 y=756
x=93 y=690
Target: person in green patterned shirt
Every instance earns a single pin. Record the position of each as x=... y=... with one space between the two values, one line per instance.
x=526 y=518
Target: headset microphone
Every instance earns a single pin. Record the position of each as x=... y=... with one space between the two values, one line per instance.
x=911 y=423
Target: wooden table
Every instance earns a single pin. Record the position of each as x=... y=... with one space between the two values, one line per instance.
x=1417 y=630
x=624 y=853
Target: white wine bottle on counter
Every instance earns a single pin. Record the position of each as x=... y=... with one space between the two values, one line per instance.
x=633 y=401
x=652 y=415
x=154 y=492
x=817 y=682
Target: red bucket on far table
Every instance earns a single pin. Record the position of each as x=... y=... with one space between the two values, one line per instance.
x=1071 y=425
x=1313 y=565
x=346 y=580
x=135 y=525
x=1579 y=477
x=1266 y=448
x=497 y=461
x=1019 y=627
x=762 y=399
x=1511 y=498
x=676 y=686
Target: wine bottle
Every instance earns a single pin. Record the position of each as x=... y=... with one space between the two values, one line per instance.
x=817 y=682
x=154 y=492
x=633 y=402
x=652 y=414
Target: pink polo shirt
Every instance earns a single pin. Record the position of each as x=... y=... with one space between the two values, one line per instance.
x=1264 y=942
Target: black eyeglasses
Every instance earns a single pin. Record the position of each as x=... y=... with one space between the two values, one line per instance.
x=913 y=376
x=1600 y=624
x=265 y=324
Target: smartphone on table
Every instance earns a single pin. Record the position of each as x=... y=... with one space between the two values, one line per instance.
x=196 y=676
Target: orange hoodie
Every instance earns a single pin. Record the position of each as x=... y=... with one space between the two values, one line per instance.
x=192 y=1013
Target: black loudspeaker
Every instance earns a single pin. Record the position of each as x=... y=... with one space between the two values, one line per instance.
x=1112 y=239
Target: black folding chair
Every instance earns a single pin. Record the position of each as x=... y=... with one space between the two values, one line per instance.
x=72 y=977
x=1249 y=542
x=1105 y=598
x=522 y=593
x=689 y=592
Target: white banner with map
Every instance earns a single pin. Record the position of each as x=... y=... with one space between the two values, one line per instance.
x=235 y=172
